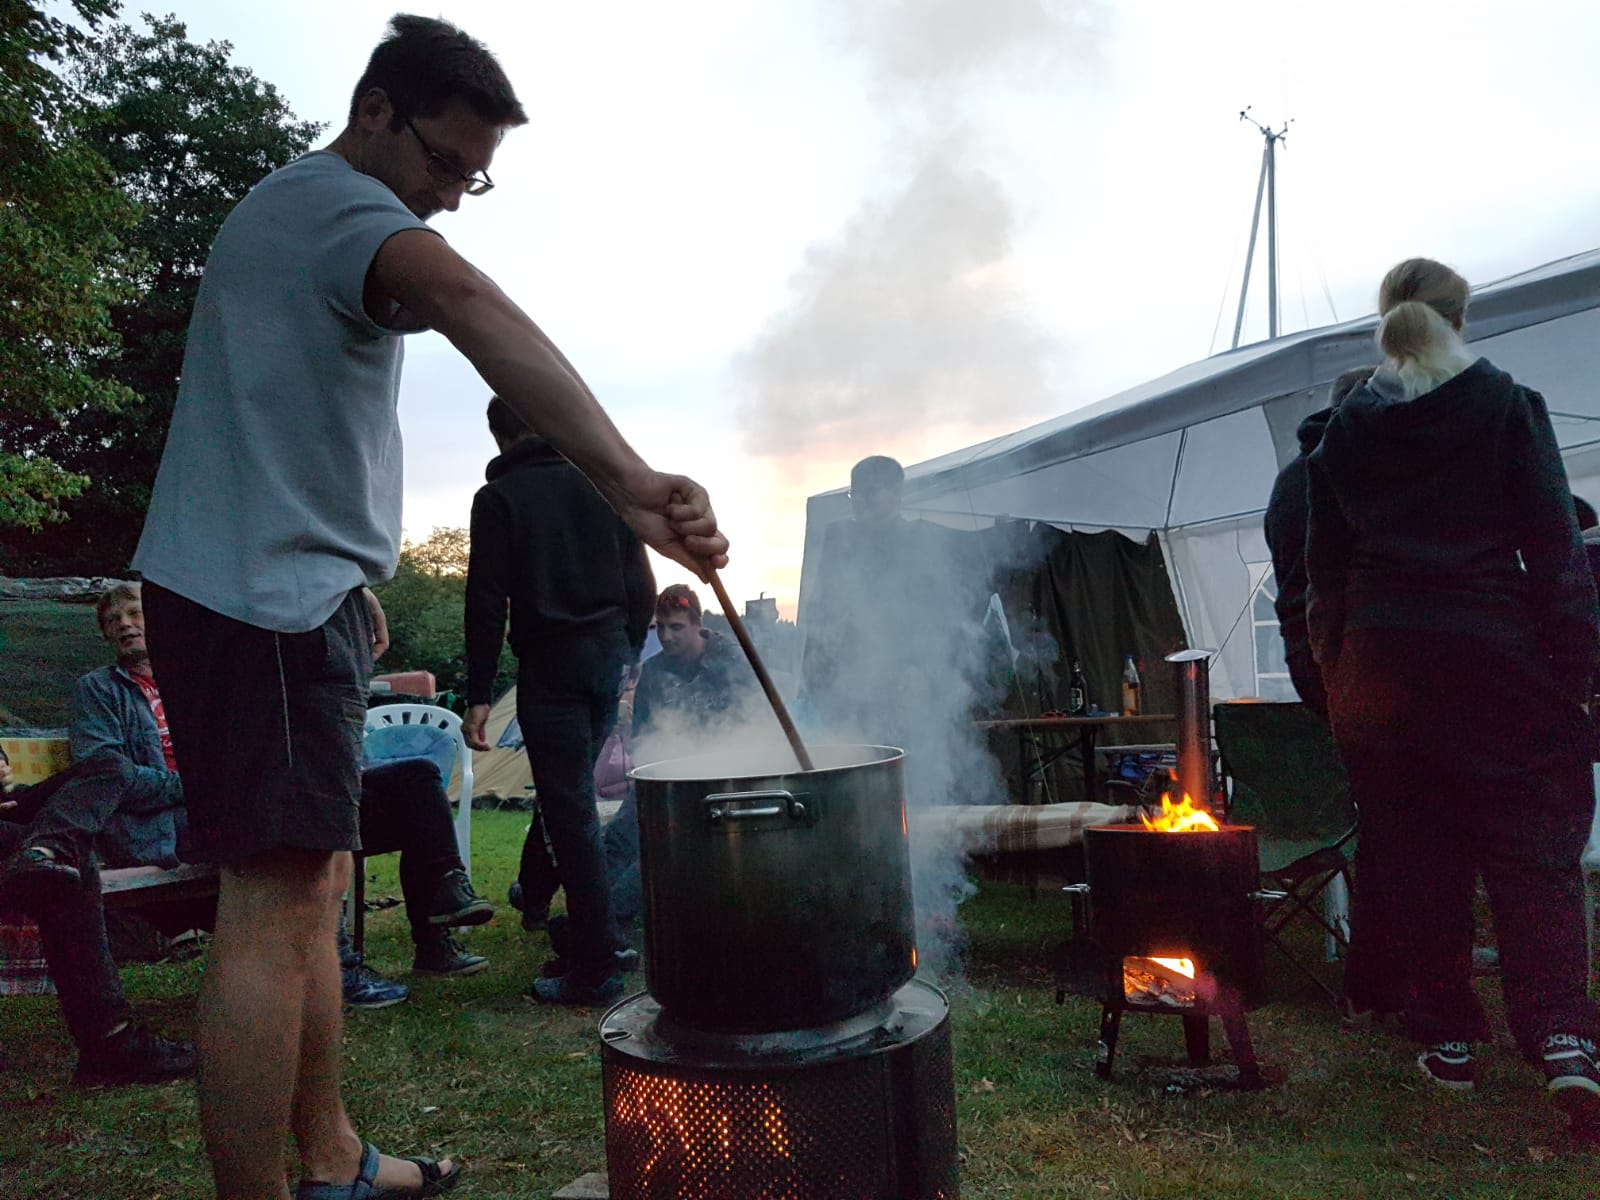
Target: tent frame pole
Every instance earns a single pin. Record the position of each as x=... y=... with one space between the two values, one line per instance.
x=1250 y=253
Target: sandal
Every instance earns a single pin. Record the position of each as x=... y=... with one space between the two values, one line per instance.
x=434 y=1181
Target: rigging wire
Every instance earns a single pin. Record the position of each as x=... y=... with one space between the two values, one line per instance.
x=1222 y=307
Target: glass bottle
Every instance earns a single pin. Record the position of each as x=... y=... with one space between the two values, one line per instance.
x=1078 y=697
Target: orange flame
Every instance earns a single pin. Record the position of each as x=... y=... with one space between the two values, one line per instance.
x=1180 y=818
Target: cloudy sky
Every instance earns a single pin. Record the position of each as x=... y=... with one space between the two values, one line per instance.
x=778 y=235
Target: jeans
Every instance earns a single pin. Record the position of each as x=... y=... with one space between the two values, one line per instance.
x=537 y=871
x=404 y=807
x=72 y=926
x=622 y=865
x=564 y=725
x=1467 y=761
x=74 y=810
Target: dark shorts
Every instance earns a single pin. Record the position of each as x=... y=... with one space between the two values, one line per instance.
x=266 y=726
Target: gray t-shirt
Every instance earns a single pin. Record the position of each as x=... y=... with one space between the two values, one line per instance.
x=280 y=485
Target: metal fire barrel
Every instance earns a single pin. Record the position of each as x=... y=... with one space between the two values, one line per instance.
x=861 y=1111
x=775 y=900
x=1190 y=895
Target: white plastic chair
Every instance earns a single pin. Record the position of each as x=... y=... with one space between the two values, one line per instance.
x=438 y=718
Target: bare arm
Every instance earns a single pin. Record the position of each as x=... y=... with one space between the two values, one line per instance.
x=440 y=288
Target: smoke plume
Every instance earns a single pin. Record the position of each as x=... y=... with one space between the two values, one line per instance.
x=909 y=319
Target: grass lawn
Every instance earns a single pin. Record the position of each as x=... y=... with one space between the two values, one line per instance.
x=468 y=1068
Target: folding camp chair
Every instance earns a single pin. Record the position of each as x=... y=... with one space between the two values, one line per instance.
x=1284 y=777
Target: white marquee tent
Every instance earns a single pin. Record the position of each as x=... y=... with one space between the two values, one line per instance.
x=1192 y=455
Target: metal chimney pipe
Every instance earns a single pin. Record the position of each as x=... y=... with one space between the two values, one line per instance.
x=1193 y=671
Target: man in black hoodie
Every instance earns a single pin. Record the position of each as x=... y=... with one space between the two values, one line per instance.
x=580 y=594
x=1285 y=524
x=1375 y=976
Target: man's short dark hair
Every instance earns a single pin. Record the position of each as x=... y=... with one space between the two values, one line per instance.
x=504 y=422
x=879 y=471
x=424 y=63
x=1587 y=518
x=678 y=600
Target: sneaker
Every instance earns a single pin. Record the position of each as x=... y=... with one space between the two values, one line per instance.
x=1449 y=1064
x=455 y=903
x=446 y=956
x=365 y=988
x=1572 y=1068
x=37 y=866
x=532 y=921
x=134 y=1055
x=572 y=989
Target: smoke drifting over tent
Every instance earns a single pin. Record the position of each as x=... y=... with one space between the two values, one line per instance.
x=1192 y=456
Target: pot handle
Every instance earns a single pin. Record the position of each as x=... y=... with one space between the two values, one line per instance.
x=724 y=807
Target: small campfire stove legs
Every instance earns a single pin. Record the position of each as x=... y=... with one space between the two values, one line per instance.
x=1227 y=1005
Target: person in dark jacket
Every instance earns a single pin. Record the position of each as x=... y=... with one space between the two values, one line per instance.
x=1285 y=526
x=698 y=678
x=1453 y=616
x=580 y=595
x=1376 y=970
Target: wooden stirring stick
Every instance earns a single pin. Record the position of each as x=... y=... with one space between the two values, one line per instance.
x=749 y=648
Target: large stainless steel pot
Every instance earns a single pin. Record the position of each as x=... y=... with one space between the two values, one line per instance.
x=775 y=900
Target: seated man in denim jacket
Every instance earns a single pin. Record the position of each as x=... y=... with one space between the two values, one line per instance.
x=115 y=719
x=137 y=816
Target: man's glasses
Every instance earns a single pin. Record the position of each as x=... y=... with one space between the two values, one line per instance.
x=445 y=171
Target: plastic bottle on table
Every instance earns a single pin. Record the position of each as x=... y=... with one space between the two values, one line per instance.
x=1130 y=688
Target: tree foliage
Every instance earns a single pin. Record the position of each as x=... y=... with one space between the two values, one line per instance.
x=63 y=267
x=186 y=134
x=425 y=604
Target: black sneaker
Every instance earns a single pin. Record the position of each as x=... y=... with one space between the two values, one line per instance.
x=134 y=1055
x=455 y=903
x=36 y=867
x=447 y=957
x=1449 y=1064
x=365 y=988
x=572 y=989
x=1572 y=1068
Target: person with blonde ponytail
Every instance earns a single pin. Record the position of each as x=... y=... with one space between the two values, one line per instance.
x=1453 y=616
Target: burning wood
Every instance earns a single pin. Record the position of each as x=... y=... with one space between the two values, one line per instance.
x=1167 y=982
